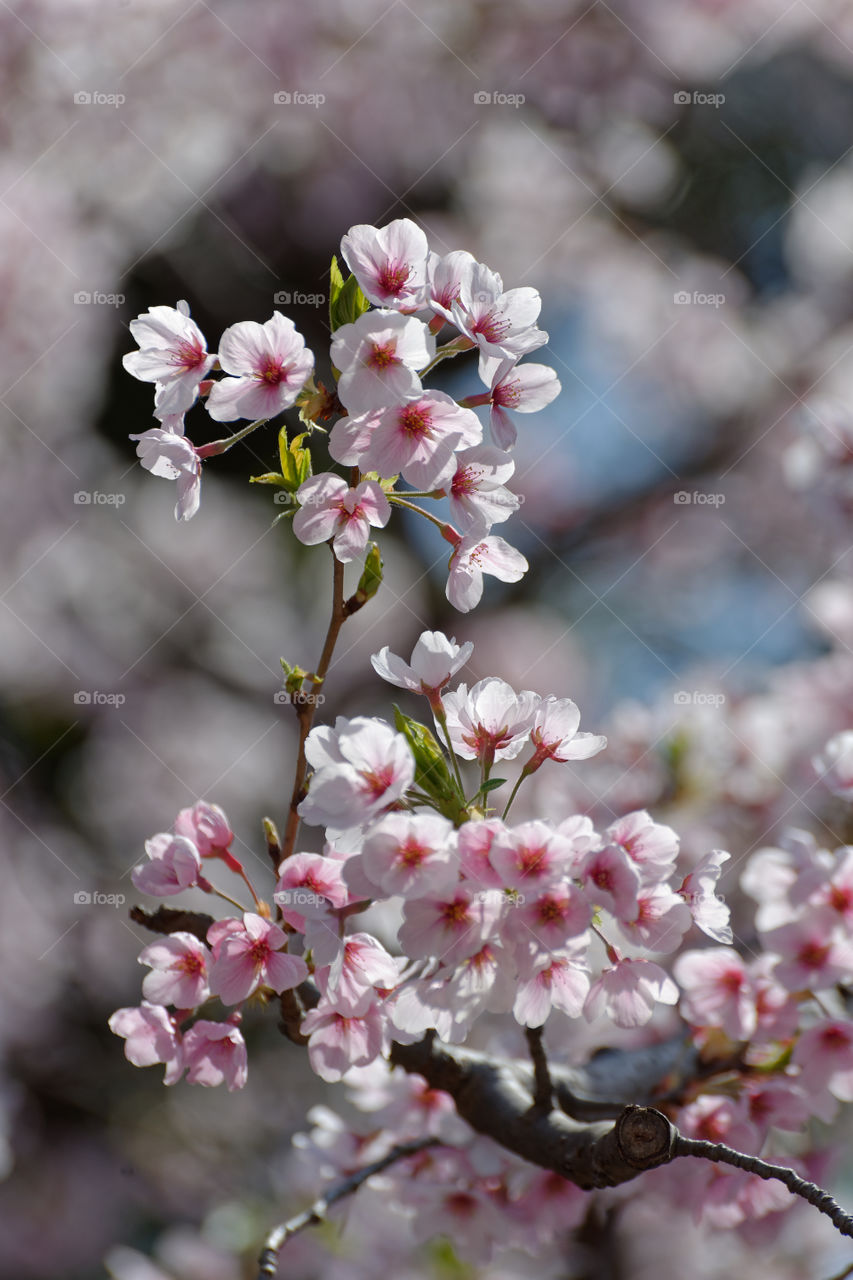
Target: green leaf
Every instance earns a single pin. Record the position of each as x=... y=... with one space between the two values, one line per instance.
x=295 y=461
x=492 y=785
x=371 y=575
x=269 y=477
x=346 y=301
x=432 y=774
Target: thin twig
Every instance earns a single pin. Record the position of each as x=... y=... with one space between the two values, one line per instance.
x=543 y=1088
x=305 y=710
x=317 y=1213
x=798 y=1186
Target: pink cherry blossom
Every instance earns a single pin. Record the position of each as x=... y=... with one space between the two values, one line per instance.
x=329 y=508
x=652 y=846
x=491 y=721
x=415 y=437
x=389 y=263
x=475 y=843
x=361 y=767
x=378 y=357
x=270 y=365
x=661 y=920
x=612 y=881
x=174 y=865
x=151 y=1036
x=710 y=913
x=451 y=927
x=173 y=355
x=549 y=915
x=444 y=279
x=247 y=954
x=361 y=966
x=814 y=955
x=478 y=494
x=558 y=980
x=411 y=855
x=208 y=828
x=434 y=662
x=338 y=1042
x=629 y=991
x=824 y=1056
x=525 y=388
x=166 y=452
x=178 y=971
x=836 y=889
x=474 y=555
x=835 y=764
x=555 y=735
x=531 y=855
x=215 y=1054
x=502 y=324
x=308 y=883
x=717 y=991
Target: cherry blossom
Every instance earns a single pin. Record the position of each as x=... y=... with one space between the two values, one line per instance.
x=491 y=721
x=525 y=388
x=174 y=865
x=415 y=437
x=329 y=508
x=378 y=357
x=247 y=954
x=410 y=855
x=451 y=927
x=208 y=828
x=434 y=662
x=270 y=365
x=388 y=263
x=814 y=955
x=444 y=279
x=824 y=1056
x=361 y=767
x=307 y=884
x=338 y=1041
x=502 y=324
x=362 y=965
x=555 y=734
x=559 y=980
x=661 y=920
x=215 y=1053
x=717 y=991
x=478 y=495
x=629 y=991
x=710 y=913
x=475 y=843
x=612 y=881
x=549 y=915
x=150 y=1036
x=474 y=555
x=650 y=845
x=179 y=971
x=531 y=855
x=166 y=452
x=172 y=354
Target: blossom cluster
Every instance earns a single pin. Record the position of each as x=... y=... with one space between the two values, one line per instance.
x=391 y=428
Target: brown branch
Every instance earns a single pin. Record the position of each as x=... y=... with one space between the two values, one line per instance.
x=543 y=1093
x=306 y=709
x=317 y=1213
x=815 y=1195
x=173 y=920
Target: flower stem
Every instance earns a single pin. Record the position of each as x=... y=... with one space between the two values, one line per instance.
x=222 y=446
x=401 y=502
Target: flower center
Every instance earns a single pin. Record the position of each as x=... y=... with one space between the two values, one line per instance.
x=392 y=278
x=415 y=420
x=382 y=354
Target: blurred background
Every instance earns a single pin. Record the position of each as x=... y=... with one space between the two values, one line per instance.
x=677 y=181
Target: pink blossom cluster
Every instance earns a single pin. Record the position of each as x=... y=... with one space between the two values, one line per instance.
x=393 y=429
